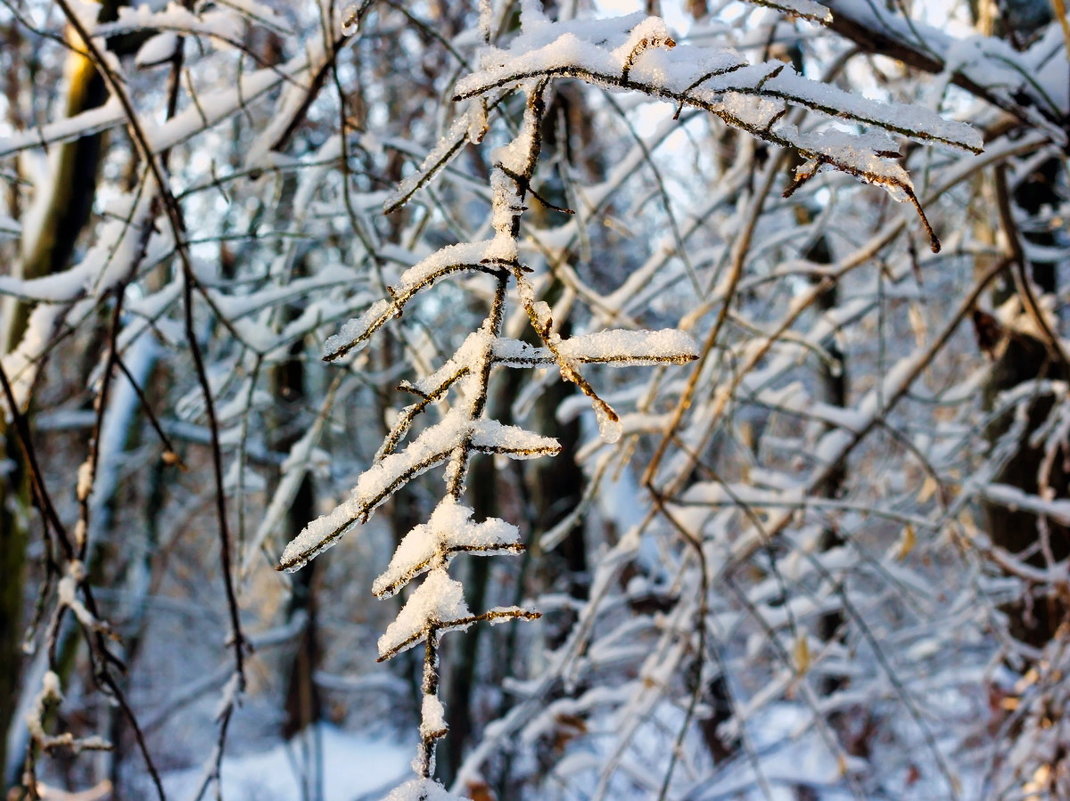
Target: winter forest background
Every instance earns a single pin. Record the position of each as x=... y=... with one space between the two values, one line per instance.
x=746 y=321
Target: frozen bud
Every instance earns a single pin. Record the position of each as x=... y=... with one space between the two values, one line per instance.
x=609 y=427
x=351 y=20
x=85 y=480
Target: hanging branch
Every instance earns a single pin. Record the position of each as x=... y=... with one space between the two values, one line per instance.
x=437 y=605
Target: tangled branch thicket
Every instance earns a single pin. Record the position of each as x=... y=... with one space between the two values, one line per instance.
x=816 y=547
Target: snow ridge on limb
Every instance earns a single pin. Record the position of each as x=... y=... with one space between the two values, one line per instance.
x=435 y=607
x=447 y=148
x=693 y=75
x=434 y=446
x=374 y=487
x=619 y=348
x=422 y=790
x=468 y=256
x=804 y=9
x=638 y=53
x=449 y=531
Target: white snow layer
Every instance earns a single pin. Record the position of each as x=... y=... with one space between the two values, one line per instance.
x=432 y=717
x=452 y=258
x=807 y=9
x=422 y=790
x=374 y=486
x=609 y=52
x=429 y=449
x=437 y=603
x=617 y=347
x=353 y=765
x=449 y=530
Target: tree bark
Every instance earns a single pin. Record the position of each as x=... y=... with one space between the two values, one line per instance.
x=70 y=200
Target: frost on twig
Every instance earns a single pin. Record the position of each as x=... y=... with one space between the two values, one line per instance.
x=433 y=447
x=470 y=256
x=67 y=593
x=50 y=696
x=619 y=348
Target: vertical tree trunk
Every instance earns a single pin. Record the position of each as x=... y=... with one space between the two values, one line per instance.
x=302 y=704
x=832 y=375
x=1021 y=357
x=1025 y=358
x=14 y=533
x=70 y=195
x=461 y=677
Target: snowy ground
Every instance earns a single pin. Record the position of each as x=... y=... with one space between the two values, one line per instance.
x=352 y=767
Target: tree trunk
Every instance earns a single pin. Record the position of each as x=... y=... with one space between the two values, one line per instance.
x=14 y=534
x=1025 y=358
x=71 y=191
x=1020 y=357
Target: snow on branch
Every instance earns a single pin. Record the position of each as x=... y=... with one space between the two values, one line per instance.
x=637 y=53
x=449 y=531
x=437 y=605
x=693 y=75
x=804 y=9
x=618 y=348
x=1029 y=84
x=49 y=697
x=375 y=485
x=448 y=147
x=490 y=436
x=467 y=256
x=85 y=123
x=422 y=790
